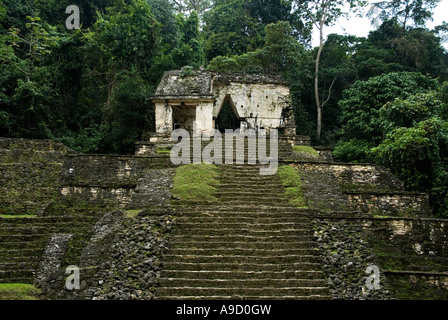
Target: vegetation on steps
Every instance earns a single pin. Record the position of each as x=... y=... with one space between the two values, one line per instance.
x=293 y=185
x=196 y=182
x=18 y=291
x=308 y=151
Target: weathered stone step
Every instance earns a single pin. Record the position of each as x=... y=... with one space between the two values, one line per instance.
x=211 y=223
x=277 y=201
x=244 y=251
x=260 y=188
x=240 y=283
x=245 y=297
x=242 y=209
x=5 y=222
x=267 y=291
x=258 y=193
x=6 y=276
x=5 y=253
x=20 y=258
x=24 y=280
x=268 y=245
x=252 y=212
x=244 y=231
x=19 y=245
x=199 y=259
x=243 y=275
x=19 y=265
x=211 y=266
x=23 y=237
x=225 y=220
x=240 y=238
x=44 y=229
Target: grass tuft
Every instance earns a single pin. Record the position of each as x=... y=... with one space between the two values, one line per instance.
x=196 y=182
x=293 y=186
x=18 y=291
x=305 y=149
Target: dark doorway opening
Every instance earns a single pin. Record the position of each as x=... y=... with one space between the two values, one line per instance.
x=227 y=118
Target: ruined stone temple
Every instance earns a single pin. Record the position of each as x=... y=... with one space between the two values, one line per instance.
x=258 y=102
x=311 y=232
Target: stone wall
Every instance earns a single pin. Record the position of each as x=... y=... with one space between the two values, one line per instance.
x=29 y=174
x=411 y=254
x=358 y=187
x=391 y=203
x=116 y=181
x=122 y=260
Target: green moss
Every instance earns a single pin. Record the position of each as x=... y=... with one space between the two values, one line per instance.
x=6 y=216
x=163 y=151
x=132 y=213
x=18 y=291
x=305 y=149
x=196 y=182
x=293 y=185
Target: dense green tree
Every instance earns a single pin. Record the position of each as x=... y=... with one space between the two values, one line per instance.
x=230 y=29
x=417 y=11
x=416 y=145
x=388 y=50
x=361 y=105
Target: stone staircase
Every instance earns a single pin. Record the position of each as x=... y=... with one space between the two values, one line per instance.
x=23 y=241
x=251 y=244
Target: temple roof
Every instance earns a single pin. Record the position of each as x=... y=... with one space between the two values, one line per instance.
x=198 y=85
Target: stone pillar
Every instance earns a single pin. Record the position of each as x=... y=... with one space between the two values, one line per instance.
x=164 y=118
x=204 y=118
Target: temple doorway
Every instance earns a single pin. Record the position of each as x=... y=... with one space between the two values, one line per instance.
x=227 y=118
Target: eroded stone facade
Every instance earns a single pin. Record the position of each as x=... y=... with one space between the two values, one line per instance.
x=194 y=102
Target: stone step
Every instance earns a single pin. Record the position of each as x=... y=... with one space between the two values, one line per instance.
x=24 y=237
x=5 y=222
x=246 y=297
x=243 y=275
x=244 y=232
x=235 y=259
x=240 y=238
x=212 y=266
x=260 y=188
x=24 y=280
x=240 y=283
x=5 y=254
x=20 y=258
x=224 y=220
x=243 y=252
x=211 y=223
x=251 y=212
x=266 y=245
x=20 y=245
x=7 y=275
x=242 y=209
x=255 y=292
x=259 y=194
x=44 y=229
x=19 y=265
x=266 y=200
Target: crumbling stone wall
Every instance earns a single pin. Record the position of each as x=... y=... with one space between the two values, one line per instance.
x=122 y=261
x=115 y=181
x=411 y=254
x=29 y=174
x=358 y=187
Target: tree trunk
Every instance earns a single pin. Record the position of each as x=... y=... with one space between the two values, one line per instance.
x=316 y=82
